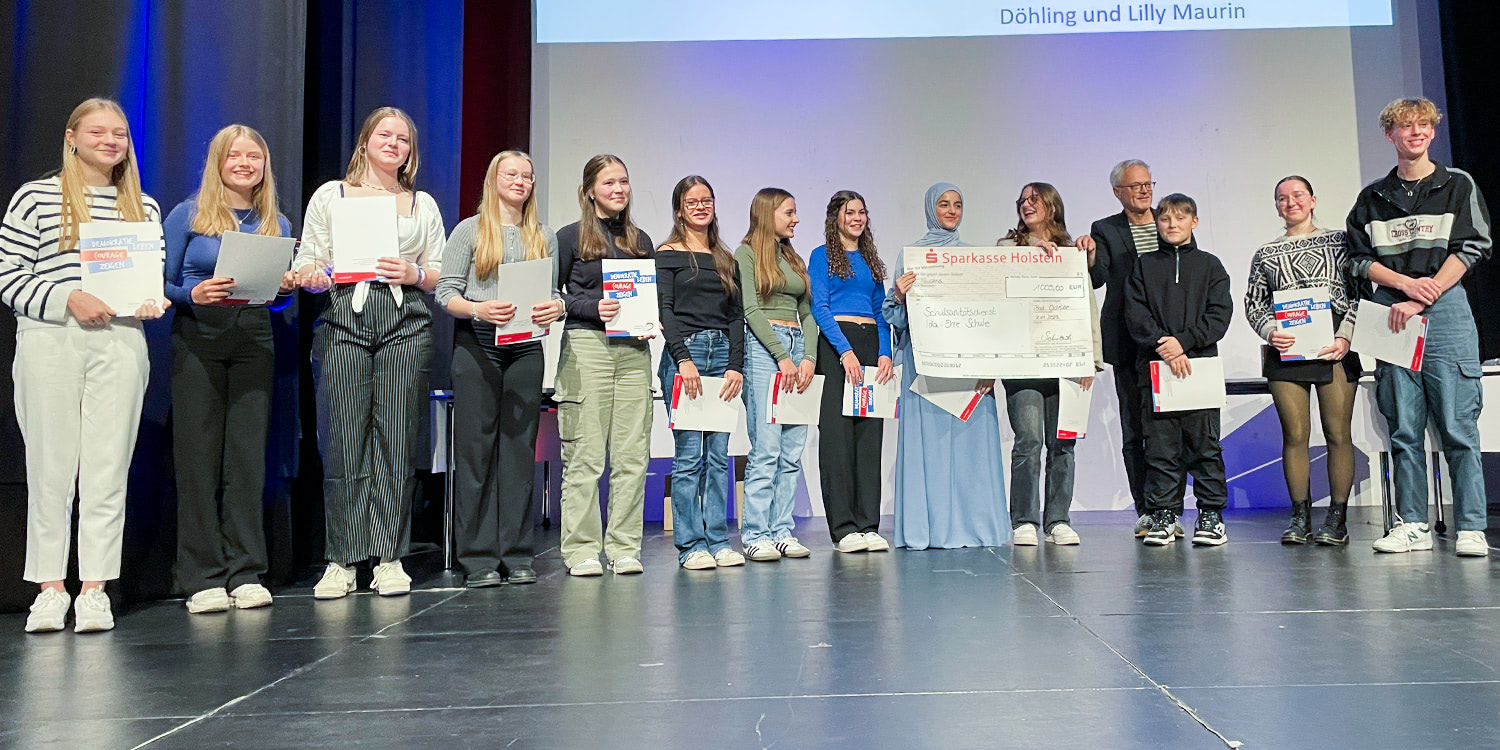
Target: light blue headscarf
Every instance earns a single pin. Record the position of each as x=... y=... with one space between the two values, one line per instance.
x=936 y=235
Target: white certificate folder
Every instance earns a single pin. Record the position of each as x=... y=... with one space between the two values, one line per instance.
x=957 y=396
x=257 y=264
x=707 y=412
x=1202 y=389
x=870 y=399
x=1306 y=314
x=122 y=263
x=1073 y=404
x=633 y=284
x=1373 y=336
x=791 y=407
x=525 y=285
x=364 y=231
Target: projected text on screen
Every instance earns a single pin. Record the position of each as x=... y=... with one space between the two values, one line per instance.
x=564 y=21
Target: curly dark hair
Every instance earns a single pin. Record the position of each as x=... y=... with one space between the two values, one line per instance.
x=838 y=262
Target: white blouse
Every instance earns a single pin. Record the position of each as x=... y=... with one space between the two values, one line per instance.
x=420 y=236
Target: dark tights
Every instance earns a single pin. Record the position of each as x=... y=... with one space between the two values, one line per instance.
x=1336 y=408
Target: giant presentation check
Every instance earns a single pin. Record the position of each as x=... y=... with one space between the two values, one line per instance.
x=1000 y=312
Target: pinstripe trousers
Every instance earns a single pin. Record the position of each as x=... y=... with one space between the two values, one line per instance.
x=374 y=384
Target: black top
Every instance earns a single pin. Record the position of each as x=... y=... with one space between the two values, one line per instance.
x=693 y=299
x=582 y=281
x=1412 y=229
x=1178 y=291
x=1113 y=261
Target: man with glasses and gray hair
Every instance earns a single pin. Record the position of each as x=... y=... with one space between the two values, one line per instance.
x=1120 y=239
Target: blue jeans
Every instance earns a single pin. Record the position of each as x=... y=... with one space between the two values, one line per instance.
x=1448 y=392
x=700 y=469
x=775 y=450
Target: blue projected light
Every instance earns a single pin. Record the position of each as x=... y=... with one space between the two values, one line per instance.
x=571 y=21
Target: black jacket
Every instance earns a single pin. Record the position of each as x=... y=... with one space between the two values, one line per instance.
x=1445 y=217
x=1178 y=291
x=1113 y=262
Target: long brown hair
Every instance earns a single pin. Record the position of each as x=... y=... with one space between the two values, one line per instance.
x=359 y=161
x=593 y=238
x=1057 y=223
x=125 y=176
x=838 y=261
x=489 y=244
x=212 y=215
x=766 y=246
x=723 y=260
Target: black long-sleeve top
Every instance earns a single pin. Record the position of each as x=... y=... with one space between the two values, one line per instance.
x=1178 y=291
x=692 y=299
x=582 y=281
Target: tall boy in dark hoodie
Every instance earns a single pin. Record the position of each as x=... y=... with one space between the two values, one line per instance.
x=1178 y=308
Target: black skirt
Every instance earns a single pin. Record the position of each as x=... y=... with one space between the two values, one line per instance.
x=1310 y=371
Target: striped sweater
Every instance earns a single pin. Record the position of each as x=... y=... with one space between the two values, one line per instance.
x=35 y=276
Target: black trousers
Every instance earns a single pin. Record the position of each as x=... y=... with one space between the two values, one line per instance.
x=1133 y=412
x=222 y=368
x=848 y=447
x=497 y=396
x=1179 y=443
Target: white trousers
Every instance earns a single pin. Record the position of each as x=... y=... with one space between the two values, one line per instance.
x=78 y=401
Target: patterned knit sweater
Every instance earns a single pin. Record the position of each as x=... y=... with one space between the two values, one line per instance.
x=1307 y=261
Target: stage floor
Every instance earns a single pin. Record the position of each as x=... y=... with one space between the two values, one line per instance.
x=1108 y=645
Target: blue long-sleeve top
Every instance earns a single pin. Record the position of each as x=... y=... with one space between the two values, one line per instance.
x=859 y=295
x=191 y=257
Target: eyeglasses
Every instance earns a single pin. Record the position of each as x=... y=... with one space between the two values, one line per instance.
x=1137 y=187
x=525 y=177
x=698 y=203
x=1033 y=198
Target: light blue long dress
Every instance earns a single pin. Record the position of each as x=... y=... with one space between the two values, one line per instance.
x=950 y=482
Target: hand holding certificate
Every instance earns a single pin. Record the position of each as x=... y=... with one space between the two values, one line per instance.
x=1373 y=336
x=1307 y=316
x=632 y=283
x=364 y=231
x=709 y=412
x=122 y=266
x=525 y=285
x=256 y=263
x=791 y=407
x=1200 y=387
x=872 y=399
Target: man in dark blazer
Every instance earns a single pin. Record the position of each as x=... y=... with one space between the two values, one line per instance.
x=1120 y=239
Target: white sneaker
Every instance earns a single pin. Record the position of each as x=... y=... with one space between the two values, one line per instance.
x=1023 y=535
x=699 y=560
x=1472 y=544
x=209 y=600
x=762 y=552
x=250 y=596
x=876 y=543
x=391 y=579
x=337 y=582
x=1063 y=534
x=49 y=613
x=587 y=569
x=790 y=547
x=1405 y=537
x=91 y=612
x=852 y=543
x=728 y=558
x=1142 y=525
x=626 y=566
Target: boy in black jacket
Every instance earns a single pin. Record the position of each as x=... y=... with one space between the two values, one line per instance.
x=1178 y=308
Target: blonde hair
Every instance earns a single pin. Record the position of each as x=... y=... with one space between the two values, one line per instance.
x=1398 y=112
x=593 y=238
x=359 y=162
x=766 y=246
x=125 y=177
x=489 y=244
x=212 y=215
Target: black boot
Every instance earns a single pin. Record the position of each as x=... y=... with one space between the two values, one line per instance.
x=1301 y=525
x=1333 y=532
